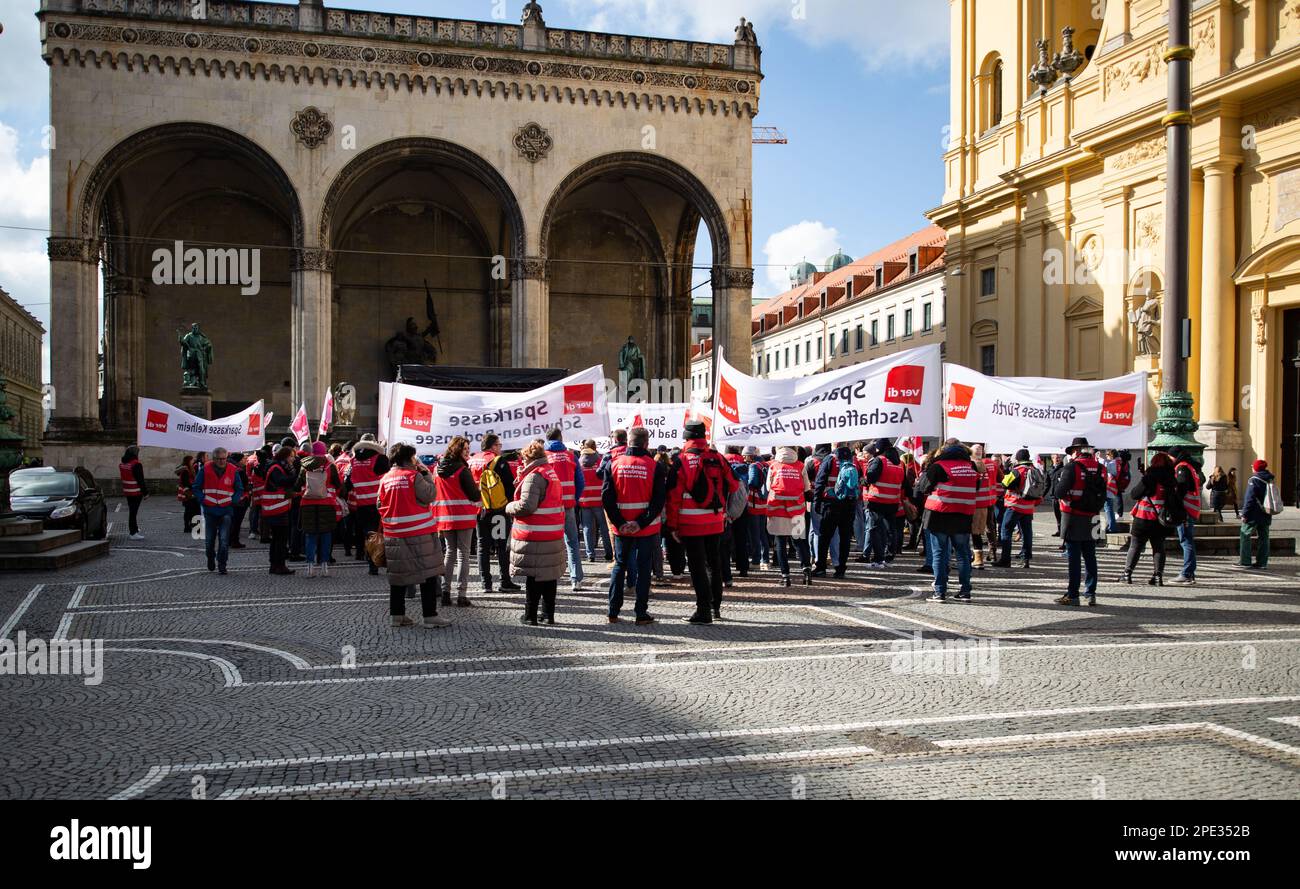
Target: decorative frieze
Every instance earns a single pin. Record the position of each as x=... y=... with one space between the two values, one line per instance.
x=313 y=259
x=62 y=249
x=1149 y=149
x=733 y=277
x=531 y=268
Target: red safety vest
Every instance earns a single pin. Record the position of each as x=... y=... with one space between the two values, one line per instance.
x=693 y=520
x=1148 y=508
x=1192 y=498
x=256 y=483
x=634 y=482
x=365 y=484
x=785 y=488
x=590 y=488
x=1080 y=466
x=1013 y=500
x=219 y=490
x=399 y=512
x=453 y=510
x=130 y=487
x=988 y=495
x=479 y=462
x=274 y=503
x=959 y=492
x=889 y=487
x=565 y=469
x=547 y=521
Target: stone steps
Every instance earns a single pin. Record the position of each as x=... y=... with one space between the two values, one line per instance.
x=25 y=545
x=1216 y=545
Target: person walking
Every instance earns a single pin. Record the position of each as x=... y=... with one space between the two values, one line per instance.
x=951 y=483
x=216 y=489
x=813 y=466
x=788 y=493
x=185 y=492
x=1025 y=485
x=537 y=542
x=456 y=510
x=759 y=548
x=591 y=515
x=834 y=494
x=318 y=479
x=571 y=484
x=1154 y=494
x=1080 y=488
x=1053 y=471
x=278 y=487
x=699 y=484
x=369 y=465
x=1187 y=483
x=241 y=505
x=133 y=489
x=496 y=481
x=411 y=550
x=983 y=506
x=255 y=467
x=1256 y=518
x=633 y=497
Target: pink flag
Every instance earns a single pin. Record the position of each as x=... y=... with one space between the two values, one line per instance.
x=911 y=443
x=300 y=427
x=326 y=414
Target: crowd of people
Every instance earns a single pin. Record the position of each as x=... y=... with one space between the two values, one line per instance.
x=663 y=515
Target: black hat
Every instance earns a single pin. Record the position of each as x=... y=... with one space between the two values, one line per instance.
x=1179 y=453
x=288 y=442
x=694 y=429
x=880 y=445
x=1078 y=443
x=1022 y=454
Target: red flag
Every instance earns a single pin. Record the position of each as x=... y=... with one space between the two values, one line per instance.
x=301 y=427
x=326 y=414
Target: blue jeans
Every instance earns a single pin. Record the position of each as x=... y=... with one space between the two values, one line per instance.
x=633 y=562
x=880 y=536
x=1187 y=539
x=939 y=549
x=593 y=524
x=783 y=545
x=759 y=550
x=1025 y=522
x=319 y=547
x=573 y=545
x=1114 y=508
x=217 y=530
x=861 y=531
x=1082 y=554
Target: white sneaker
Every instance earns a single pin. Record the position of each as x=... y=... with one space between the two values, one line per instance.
x=137 y=536
x=311 y=570
x=324 y=569
x=577 y=586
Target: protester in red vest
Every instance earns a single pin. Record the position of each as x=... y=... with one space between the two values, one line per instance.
x=788 y=493
x=1019 y=512
x=633 y=497
x=1188 y=480
x=318 y=480
x=362 y=486
x=456 y=510
x=760 y=541
x=133 y=488
x=735 y=541
x=698 y=486
x=951 y=484
x=571 y=488
x=883 y=495
x=537 y=544
x=276 y=492
x=1155 y=492
x=591 y=516
x=216 y=488
x=1080 y=489
x=411 y=549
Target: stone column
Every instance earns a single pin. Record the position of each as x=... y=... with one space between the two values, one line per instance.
x=530 y=313
x=124 y=349
x=733 y=289
x=1218 y=340
x=74 y=336
x=312 y=330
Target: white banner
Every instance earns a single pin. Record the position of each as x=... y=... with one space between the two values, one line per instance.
x=897 y=395
x=430 y=418
x=161 y=425
x=1044 y=414
x=664 y=421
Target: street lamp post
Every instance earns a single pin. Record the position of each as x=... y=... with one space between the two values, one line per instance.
x=1295 y=465
x=1175 y=424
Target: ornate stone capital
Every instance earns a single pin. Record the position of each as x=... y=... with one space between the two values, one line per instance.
x=533 y=142
x=313 y=259
x=72 y=249
x=531 y=268
x=733 y=277
x=311 y=126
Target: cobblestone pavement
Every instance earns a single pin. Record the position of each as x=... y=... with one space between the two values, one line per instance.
x=262 y=687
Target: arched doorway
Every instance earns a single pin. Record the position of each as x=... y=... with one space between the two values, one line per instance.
x=163 y=193
x=408 y=213
x=621 y=235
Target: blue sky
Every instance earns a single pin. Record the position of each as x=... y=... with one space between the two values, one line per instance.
x=858 y=86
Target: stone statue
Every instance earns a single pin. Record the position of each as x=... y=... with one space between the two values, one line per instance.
x=408 y=346
x=196 y=358
x=745 y=32
x=631 y=361
x=345 y=404
x=1144 y=319
x=533 y=14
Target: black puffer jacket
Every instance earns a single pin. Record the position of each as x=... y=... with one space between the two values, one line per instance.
x=451 y=467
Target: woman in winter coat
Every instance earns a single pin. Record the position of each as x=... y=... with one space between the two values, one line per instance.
x=456 y=530
x=1157 y=489
x=535 y=555
x=780 y=524
x=415 y=559
x=1230 y=498
x=318 y=510
x=1217 y=485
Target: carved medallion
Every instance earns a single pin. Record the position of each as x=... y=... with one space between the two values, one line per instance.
x=533 y=142
x=311 y=126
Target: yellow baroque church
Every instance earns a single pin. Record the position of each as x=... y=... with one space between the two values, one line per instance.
x=1054 y=205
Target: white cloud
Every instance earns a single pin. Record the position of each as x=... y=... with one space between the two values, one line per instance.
x=880 y=32
x=812 y=241
x=24 y=268
x=21 y=65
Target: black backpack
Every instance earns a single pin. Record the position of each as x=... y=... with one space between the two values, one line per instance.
x=1093 y=496
x=709 y=489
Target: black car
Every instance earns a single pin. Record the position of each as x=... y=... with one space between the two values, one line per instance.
x=61 y=498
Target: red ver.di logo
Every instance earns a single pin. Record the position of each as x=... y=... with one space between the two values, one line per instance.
x=416 y=415
x=959 y=399
x=904 y=383
x=580 y=398
x=155 y=421
x=1117 y=408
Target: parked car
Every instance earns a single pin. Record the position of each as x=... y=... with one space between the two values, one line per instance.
x=61 y=498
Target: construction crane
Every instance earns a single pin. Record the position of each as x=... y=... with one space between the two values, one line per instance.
x=769 y=136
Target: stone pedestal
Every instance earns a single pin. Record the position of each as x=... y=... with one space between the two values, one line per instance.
x=197 y=403
x=343 y=434
x=1224 y=446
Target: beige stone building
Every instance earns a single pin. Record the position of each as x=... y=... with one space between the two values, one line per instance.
x=20 y=362
x=546 y=185
x=1054 y=203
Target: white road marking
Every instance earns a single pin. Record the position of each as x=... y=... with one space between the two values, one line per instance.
x=1287 y=720
x=297 y=662
x=20 y=610
x=1120 y=732
x=229 y=672
x=77 y=594
x=64 y=625
x=140 y=549
x=152 y=777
